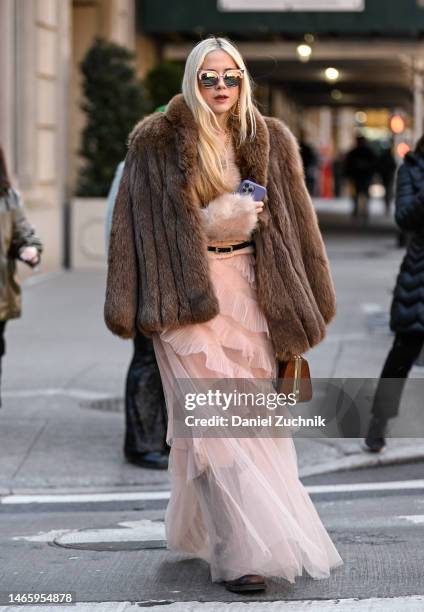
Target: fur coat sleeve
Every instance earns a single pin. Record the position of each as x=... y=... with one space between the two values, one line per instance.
x=121 y=295
x=158 y=274
x=313 y=251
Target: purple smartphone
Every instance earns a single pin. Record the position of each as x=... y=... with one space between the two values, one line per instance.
x=249 y=187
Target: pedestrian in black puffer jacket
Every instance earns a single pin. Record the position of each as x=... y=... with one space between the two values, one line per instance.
x=407 y=308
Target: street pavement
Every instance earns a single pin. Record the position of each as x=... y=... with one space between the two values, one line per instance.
x=114 y=551
x=61 y=433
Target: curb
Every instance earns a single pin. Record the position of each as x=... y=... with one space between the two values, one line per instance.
x=366 y=460
x=349 y=463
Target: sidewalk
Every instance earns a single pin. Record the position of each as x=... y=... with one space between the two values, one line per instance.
x=335 y=215
x=62 y=424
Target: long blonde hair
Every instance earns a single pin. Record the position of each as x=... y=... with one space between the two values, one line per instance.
x=210 y=181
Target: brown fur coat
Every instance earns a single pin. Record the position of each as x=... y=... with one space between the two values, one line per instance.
x=157 y=262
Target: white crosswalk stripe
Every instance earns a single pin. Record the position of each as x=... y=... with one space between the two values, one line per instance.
x=129 y=531
x=417 y=519
x=395 y=604
x=80 y=498
x=163 y=495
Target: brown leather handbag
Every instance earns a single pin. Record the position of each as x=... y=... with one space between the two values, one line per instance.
x=294 y=377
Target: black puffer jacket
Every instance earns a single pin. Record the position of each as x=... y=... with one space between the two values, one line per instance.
x=407 y=308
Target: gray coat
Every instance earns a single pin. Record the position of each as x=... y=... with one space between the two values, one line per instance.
x=111 y=197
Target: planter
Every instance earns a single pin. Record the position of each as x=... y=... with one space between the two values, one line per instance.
x=88 y=233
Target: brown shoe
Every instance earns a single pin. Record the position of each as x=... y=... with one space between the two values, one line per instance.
x=248 y=582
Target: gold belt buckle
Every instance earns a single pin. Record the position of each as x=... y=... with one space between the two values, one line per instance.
x=218 y=249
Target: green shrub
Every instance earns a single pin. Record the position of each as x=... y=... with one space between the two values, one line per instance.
x=163 y=82
x=113 y=102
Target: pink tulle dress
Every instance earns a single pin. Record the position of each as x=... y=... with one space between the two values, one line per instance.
x=237 y=503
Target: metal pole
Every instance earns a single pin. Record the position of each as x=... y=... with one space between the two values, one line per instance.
x=66 y=192
x=66 y=225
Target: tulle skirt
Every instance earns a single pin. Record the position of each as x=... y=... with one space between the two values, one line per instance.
x=237 y=503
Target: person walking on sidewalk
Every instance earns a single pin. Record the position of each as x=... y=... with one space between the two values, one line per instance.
x=360 y=166
x=225 y=286
x=407 y=307
x=145 y=409
x=386 y=167
x=17 y=241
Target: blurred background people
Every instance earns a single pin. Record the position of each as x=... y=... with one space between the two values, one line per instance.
x=386 y=168
x=360 y=166
x=17 y=241
x=338 y=174
x=145 y=409
x=407 y=308
x=310 y=164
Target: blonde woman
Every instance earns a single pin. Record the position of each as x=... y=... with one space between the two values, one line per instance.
x=225 y=286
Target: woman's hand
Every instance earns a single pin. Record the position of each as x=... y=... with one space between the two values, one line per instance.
x=30 y=255
x=231 y=216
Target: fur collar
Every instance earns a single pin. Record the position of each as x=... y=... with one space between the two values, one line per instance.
x=252 y=157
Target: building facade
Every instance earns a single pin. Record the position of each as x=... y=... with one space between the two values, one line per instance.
x=377 y=49
x=41 y=45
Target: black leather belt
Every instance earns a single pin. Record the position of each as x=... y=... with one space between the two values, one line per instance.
x=231 y=248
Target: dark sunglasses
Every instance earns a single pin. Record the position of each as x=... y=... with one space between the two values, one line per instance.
x=210 y=78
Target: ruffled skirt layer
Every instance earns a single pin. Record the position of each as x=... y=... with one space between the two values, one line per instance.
x=236 y=502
